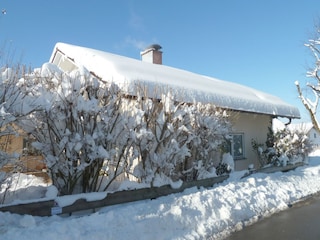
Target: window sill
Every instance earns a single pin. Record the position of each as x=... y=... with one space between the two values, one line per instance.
x=240 y=159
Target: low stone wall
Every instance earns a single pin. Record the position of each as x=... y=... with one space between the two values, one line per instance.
x=49 y=207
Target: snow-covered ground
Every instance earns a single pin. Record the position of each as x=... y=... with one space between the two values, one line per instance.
x=193 y=214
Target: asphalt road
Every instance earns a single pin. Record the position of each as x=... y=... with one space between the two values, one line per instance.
x=300 y=222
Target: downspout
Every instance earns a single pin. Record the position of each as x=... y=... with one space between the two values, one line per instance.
x=286 y=124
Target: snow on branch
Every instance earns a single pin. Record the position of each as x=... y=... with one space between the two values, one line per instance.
x=313 y=73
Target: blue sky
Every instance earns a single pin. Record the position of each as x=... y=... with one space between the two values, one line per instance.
x=255 y=43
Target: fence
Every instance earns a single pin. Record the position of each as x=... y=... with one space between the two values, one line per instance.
x=48 y=207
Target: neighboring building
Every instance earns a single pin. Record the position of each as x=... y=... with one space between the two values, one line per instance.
x=30 y=159
x=251 y=110
x=308 y=128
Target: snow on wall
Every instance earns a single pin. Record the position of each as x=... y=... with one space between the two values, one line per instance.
x=187 y=86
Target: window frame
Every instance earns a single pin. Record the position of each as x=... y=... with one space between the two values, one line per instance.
x=232 y=146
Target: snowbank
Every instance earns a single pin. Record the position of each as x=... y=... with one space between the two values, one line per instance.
x=193 y=214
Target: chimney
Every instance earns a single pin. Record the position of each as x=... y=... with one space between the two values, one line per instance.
x=152 y=54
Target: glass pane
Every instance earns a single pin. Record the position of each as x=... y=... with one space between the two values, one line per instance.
x=237 y=146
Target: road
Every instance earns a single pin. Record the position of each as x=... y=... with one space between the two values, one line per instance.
x=300 y=222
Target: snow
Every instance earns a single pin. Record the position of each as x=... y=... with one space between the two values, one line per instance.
x=186 y=86
x=193 y=214
x=228 y=159
x=304 y=127
x=70 y=199
x=277 y=125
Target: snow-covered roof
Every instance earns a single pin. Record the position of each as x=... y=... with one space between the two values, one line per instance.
x=187 y=86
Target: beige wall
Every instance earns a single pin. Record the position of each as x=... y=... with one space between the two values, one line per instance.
x=11 y=144
x=14 y=144
x=253 y=126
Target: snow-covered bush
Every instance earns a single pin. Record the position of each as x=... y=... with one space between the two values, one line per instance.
x=162 y=137
x=80 y=128
x=211 y=128
x=226 y=165
x=13 y=106
x=282 y=147
x=7 y=94
x=90 y=132
x=265 y=155
x=176 y=139
x=295 y=145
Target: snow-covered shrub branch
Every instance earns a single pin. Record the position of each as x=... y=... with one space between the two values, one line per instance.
x=176 y=139
x=13 y=106
x=293 y=144
x=282 y=147
x=161 y=138
x=80 y=128
x=211 y=128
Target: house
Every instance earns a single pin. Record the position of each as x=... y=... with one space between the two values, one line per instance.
x=251 y=110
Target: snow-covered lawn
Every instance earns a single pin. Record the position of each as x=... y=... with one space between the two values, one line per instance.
x=193 y=214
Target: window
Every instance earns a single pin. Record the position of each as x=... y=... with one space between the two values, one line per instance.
x=28 y=149
x=314 y=135
x=236 y=146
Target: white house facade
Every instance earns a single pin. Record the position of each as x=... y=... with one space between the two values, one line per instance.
x=251 y=110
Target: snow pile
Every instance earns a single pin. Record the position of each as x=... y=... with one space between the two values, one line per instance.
x=20 y=187
x=193 y=214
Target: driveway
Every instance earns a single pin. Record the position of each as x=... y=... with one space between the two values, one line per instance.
x=300 y=222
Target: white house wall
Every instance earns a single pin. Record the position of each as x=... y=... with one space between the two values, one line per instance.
x=63 y=62
x=253 y=126
x=314 y=137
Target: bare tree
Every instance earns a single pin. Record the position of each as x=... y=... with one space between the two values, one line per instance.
x=311 y=105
